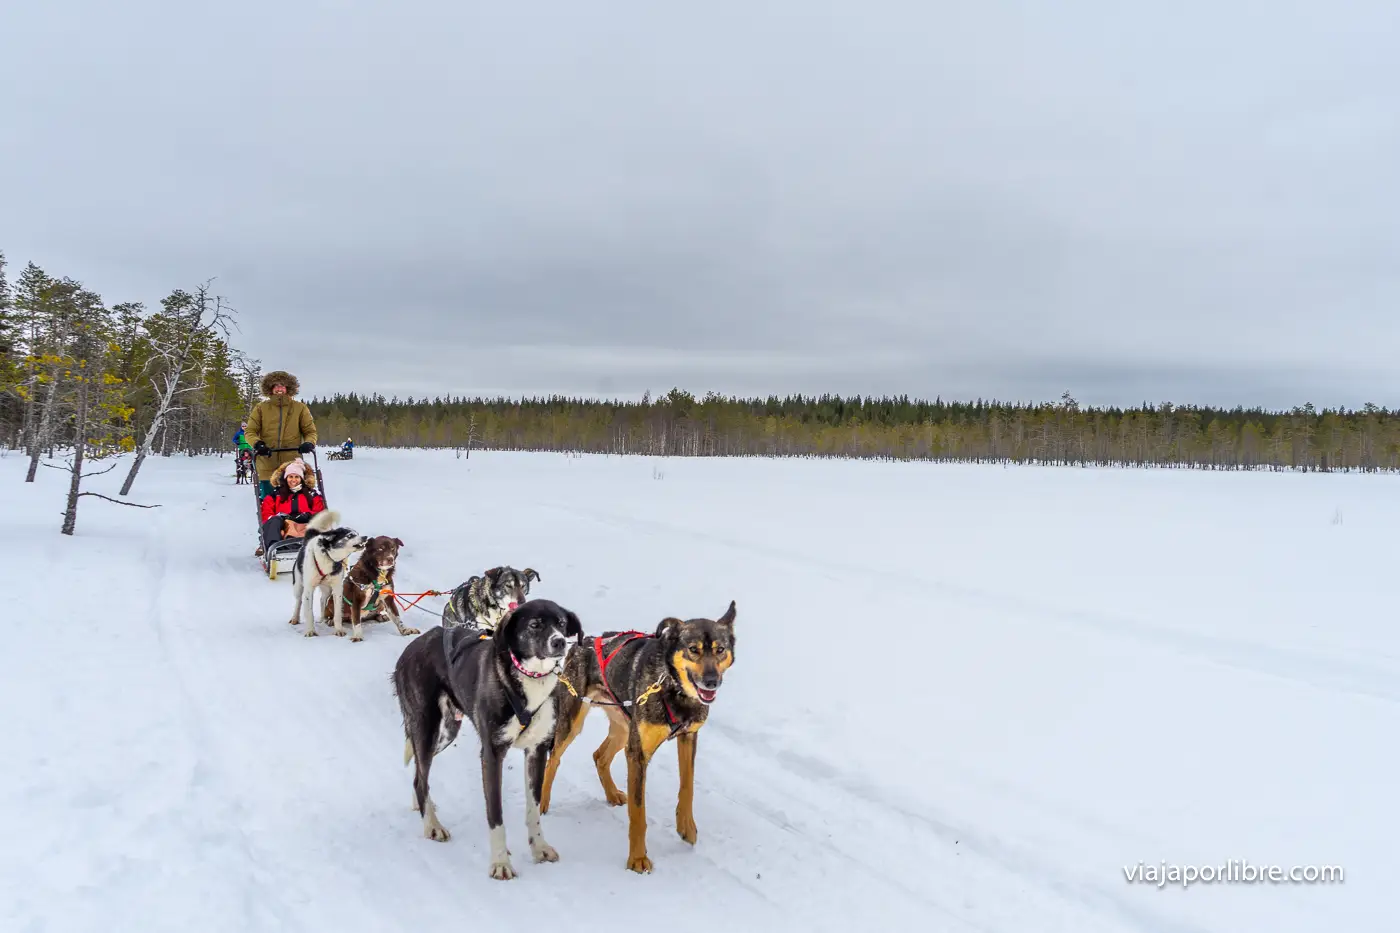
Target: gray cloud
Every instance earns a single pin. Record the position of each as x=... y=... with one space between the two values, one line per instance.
x=1196 y=202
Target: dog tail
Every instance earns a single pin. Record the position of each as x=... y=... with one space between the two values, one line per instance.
x=323 y=521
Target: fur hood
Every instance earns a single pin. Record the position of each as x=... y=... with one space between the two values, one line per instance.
x=283 y=377
x=308 y=479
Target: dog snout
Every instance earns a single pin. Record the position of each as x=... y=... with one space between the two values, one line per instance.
x=557 y=643
x=709 y=679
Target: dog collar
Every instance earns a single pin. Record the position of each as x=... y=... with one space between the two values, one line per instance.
x=521 y=668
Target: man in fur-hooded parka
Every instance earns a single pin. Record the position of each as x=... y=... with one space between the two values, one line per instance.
x=280 y=420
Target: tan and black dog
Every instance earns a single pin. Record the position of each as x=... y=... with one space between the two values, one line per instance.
x=367 y=588
x=653 y=687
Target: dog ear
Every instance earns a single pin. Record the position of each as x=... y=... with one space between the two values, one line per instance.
x=530 y=573
x=573 y=628
x=728 y=618
x=668 y=627
x=505 y=630
x=399 y=542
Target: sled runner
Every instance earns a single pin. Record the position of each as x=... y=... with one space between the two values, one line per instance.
x=281 y=554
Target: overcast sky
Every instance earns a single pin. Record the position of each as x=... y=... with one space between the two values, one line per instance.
x=1196 y=201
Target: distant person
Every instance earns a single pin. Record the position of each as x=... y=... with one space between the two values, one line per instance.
x=243 y=454
x=348 y=447
x=279 y=421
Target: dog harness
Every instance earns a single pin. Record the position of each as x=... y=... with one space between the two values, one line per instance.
x=336 y=565
x=377 y=587
x=626 y=705
x=453 y=645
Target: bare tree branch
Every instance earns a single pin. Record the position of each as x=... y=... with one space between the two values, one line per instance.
x=68 y=468
x=191 y=320
x=134 y=505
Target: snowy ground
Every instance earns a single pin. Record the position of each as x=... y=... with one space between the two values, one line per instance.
x=965 y=698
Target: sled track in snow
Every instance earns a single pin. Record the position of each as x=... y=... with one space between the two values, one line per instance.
x=1327 y=674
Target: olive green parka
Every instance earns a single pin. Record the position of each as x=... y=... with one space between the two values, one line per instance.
x=280 y=421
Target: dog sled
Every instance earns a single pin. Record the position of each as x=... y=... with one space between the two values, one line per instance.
x=281 y=554
x=341 y=453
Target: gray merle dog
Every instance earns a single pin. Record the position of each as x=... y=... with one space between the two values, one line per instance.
x=503 y=683
x=482 y=602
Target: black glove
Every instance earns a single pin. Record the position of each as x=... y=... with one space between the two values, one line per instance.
x=301 y=518
x=262 y=450
x=307 y=447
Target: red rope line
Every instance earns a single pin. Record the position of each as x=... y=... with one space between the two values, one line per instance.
x=402 y=597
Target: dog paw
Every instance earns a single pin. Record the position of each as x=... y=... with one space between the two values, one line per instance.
x=640 y=864
x=357 y=638
x=310 y=633
x=685 y=827
x=615 y=797
x=436 y=832
x=340 y=633
x=502 y=870
x=409 y=630
x=543 y=852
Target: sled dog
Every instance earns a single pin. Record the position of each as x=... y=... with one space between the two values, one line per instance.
x=482 y=602
x=368 y=586
x=653 y=687
x=321 y=565
x=502 y=683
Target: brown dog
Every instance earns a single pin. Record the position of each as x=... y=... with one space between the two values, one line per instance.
x=367 y=588
x=653 y=687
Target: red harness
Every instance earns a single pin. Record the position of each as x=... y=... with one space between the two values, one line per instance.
x=603 y=663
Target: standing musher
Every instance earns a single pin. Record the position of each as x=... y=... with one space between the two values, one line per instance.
x=280 y=420
x=242 y=454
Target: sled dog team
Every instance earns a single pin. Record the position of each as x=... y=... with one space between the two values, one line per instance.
x=521 y=671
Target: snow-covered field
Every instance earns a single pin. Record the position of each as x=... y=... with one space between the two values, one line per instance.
x=964 y=698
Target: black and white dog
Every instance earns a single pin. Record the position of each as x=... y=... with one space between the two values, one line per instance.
x=322 y=564
x=503 y=683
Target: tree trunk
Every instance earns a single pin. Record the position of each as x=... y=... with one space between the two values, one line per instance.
x=41 y=433
x=31 y=434
x=70 y=515
x=161 y=410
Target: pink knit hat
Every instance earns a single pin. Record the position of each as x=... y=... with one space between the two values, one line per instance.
x=297 y=467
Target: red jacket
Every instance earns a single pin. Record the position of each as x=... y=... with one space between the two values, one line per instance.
x=306 y=500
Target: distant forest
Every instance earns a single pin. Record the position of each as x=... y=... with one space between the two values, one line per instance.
x=1062 y=432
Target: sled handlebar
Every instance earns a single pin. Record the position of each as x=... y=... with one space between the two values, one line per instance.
x=315 y=462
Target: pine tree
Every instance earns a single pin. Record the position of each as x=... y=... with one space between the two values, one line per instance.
x=10 y=380
x=94 y=395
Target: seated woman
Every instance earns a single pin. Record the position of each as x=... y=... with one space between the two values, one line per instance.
x=293 y=501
